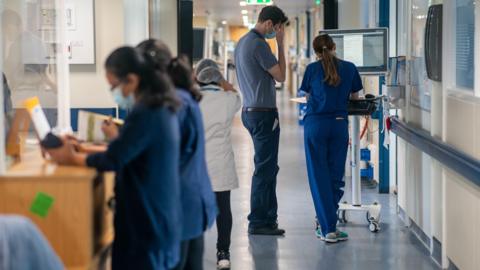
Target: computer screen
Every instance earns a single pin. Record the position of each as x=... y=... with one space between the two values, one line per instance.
x=366 y=48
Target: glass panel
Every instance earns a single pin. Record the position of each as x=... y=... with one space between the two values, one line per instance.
x=30 y=46
x=34 y=58
x=465 y=38
x=420 y=95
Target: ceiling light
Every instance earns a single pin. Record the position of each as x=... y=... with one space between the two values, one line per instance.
x=224 y=22
x=244 y=11
x=243 y=3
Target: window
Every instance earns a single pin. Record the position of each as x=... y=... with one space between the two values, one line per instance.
x=465 y=42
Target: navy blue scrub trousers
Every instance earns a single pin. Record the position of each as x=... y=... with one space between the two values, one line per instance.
x=264 y=128
x=326 y=145
x=127 y=257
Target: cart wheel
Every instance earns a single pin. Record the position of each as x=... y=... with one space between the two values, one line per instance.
x=374 y=227
x=342 y=216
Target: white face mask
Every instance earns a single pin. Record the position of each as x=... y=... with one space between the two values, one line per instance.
x=123 y=102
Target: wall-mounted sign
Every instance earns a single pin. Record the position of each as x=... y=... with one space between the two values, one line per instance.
x=79 y=19
x=259 y=2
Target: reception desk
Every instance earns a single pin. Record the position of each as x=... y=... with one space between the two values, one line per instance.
x=78 y=221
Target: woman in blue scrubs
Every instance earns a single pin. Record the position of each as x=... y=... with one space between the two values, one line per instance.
x=198 y=199
x=147 y=211
x=329 y=84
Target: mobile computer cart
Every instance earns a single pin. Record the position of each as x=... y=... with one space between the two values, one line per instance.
x=358 y=108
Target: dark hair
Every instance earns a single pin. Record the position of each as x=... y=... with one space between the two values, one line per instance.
x=179 y=69
x=182 y=76
x=155 y=88
x=158 y=52
x=273 y=13
x=324 y=46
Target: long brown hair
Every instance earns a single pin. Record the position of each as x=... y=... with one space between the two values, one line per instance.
x=324 y=48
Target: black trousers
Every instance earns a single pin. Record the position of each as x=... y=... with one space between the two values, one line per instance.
x=224 y=220
x=191 y=254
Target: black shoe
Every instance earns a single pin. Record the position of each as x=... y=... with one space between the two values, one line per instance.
x=223 y=259
x=268 y=230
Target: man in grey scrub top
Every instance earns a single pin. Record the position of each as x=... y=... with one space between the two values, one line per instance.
x=257 y=71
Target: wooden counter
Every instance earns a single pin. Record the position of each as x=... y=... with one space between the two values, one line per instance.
x=79 y=222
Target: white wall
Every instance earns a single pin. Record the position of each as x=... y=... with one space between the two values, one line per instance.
x=461 y=128
x=444 y=204
x=136 y=21
x=164 y=22
x=353 y=14
x=89 y=89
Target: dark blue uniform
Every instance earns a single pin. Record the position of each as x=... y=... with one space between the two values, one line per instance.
x=198 y=200
x=147 y=219
x=326 y=137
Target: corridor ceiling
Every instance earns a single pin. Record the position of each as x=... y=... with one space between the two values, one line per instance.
x=230 y=10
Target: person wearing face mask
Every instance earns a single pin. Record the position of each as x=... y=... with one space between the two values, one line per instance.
x=145 y=157
x=257 y=70
x=197 y=197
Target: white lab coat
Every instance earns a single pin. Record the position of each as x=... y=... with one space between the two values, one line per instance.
x=218 y=110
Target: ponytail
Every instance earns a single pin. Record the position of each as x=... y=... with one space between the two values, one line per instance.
x=182 y=76
x=324 y=47
x=179 y=69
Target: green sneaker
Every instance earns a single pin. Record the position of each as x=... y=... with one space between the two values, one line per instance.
x=318 y=232
x=341 y=236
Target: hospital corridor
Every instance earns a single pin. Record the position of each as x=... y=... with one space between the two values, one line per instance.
x=396 y=247
x=240 y=135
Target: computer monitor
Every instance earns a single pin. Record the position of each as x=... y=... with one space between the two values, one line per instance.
x=366 y=48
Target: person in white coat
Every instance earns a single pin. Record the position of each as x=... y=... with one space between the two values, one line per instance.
x=219 y=107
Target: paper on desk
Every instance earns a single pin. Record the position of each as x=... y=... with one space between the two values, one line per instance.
x=299 y=100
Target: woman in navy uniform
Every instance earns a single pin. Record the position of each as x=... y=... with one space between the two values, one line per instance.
x=198 y=199
x=145 y=157
x=329 y=84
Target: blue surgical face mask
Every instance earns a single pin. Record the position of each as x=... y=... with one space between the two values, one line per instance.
x=123 y=102
x=270 y=35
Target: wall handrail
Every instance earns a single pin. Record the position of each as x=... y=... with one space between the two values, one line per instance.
x=456 y=160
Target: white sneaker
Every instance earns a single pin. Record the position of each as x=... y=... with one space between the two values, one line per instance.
x=329 y=238
x=223 y=260
x=223 y=264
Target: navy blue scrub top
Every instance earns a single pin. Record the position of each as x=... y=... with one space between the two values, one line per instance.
x=326 y=100
x=198 y=199
x=145 y=158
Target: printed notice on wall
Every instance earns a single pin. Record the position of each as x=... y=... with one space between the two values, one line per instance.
x=80 y=35
x=353 y=49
